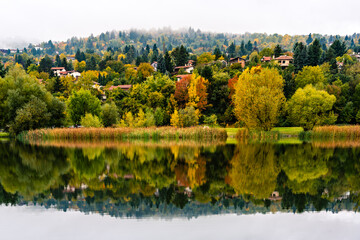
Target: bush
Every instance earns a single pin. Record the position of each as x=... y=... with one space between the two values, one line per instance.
x=159 y=116
x=90 y=120
x=210 y=120
x=188 y=117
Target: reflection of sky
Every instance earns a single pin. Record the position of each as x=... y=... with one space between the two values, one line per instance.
x=34 y=223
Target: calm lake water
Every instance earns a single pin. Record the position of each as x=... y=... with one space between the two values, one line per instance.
x=76 y=190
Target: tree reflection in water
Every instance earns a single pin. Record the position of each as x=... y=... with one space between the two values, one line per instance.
x=179 y=179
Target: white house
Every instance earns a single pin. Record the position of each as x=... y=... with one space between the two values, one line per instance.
x=57 y=70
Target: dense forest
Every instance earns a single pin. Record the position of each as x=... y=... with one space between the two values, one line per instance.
x=138 y=79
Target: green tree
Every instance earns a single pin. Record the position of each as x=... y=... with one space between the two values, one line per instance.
x=90 y=120
x=45 y=64
x=277 y=51
x=82 y=102
x=188 y=117
x=314 y=53
x=109 y=114
x=21 y=95
x=309 y=107
x=310 y=75
x=159 y=116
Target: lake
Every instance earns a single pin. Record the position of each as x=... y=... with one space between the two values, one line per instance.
x=86 y=190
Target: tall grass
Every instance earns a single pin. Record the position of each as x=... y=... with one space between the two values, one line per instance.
x=171 y=133
x=107 y=143
x=351 y=132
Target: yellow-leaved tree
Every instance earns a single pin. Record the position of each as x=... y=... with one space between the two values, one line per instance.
x=259 y=98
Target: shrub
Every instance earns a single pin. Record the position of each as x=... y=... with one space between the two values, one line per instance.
x=159 y=116
x=210 y=120
x=90 y=120
x=188 y=117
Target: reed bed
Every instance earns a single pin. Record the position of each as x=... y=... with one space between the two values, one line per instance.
x=170 y=133
x=257 y=136
x=114 y=144
x=336 y=143
x=351 y=132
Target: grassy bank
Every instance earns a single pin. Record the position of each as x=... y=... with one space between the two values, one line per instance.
x=282 y=131
x=193 y=133
x=351 y=132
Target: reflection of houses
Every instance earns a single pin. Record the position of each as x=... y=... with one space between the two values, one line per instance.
x=275 y=196
x=284 y=61
x=343 y=196
x=237 y=60
x=266 y=59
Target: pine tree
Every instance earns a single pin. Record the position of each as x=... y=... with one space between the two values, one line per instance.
x=161 y=64
x=314 y=53
x=309 y=40
x=277 y=51
x=57 y=61
x=300 y=56
x=242 y=50
x=168 y=63
x=249 y=46
x=231 y=50
x=217 y=53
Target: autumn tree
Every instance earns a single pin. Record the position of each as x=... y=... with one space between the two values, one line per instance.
x=181 y=91
x=144 y=70
x=259 y=97
x=205 y=58
x=310 y=75
x=309 y=107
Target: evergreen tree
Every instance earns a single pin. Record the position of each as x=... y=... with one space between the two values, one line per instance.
x=168 y=63
x=300 y=56
x=314 y=53
x=242 y=50
x=64 y=64
x=180 y=55
x=277 y=51
x=91 y=64
x=249 y=46
x=309 y=40
x=2 y=70
x=45 y=64
x=338 y=47
x=231 y=50
x=161 y=64
x=57 y=61
x=217 y=53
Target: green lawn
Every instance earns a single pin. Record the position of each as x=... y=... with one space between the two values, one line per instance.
x=293 y=131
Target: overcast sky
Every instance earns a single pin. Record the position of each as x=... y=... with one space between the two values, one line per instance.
x=18 y=223
x=40 y=20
